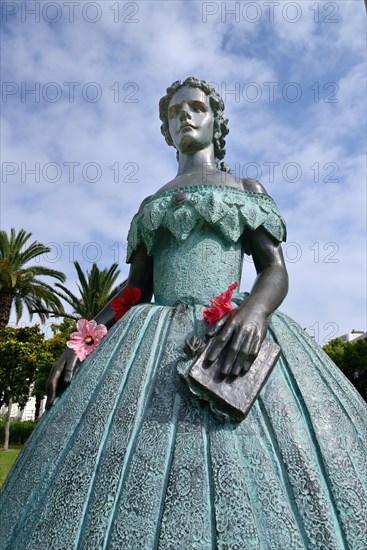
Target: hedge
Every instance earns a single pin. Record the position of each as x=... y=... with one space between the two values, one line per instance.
x=19 y=431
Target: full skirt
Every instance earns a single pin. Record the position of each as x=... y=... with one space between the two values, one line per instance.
x=128 y=459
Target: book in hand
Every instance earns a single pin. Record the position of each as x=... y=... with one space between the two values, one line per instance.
x=235 y=395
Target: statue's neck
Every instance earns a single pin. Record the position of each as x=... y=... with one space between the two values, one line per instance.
x=202 y=161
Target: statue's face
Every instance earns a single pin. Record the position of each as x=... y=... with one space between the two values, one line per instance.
x=190 y=119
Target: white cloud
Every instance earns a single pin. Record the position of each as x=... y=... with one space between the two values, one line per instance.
x=171 y=41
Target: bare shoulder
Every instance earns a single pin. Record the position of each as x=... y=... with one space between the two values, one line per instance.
x=253 y=185
x=144 y=202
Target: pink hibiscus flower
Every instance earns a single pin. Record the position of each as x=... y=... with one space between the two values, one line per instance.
x=222 y=305
x=87 y=338
x=126 y=301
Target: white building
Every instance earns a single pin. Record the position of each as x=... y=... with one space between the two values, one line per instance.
x=354 y=336
x=23 y=414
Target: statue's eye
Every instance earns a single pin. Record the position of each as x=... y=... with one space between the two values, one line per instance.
x=198 y=108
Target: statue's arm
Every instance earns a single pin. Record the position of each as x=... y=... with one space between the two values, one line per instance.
x=140 y=276
x=271 y=284
x=237 y=337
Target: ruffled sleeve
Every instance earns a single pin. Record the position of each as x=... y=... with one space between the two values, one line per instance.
x=230 y=211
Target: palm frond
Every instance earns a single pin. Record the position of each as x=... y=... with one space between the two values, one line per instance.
x=21 y=280
x=37 y=270
x=95 y=288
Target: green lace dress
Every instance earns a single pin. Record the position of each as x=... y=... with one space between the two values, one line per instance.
x=127 y=459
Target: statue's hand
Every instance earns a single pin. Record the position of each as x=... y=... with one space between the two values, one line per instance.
x=61 y=375
x=236 y=340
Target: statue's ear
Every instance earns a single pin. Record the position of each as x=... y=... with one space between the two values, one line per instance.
x=217 y=134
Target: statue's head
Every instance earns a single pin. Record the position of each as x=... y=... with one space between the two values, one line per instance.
x=220 y=126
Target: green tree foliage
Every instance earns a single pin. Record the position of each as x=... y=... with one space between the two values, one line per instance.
x=18 y=355
x=19 y=431
x=26 y=359
x=96 y=290
x=21 y=351
x=351 y=358
x=20 y=285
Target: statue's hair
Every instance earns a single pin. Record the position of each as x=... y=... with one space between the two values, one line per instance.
x=217 y=105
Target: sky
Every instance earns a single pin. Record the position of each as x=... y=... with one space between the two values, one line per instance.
x=81 y=145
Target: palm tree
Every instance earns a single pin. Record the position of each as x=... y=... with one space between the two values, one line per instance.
x=19 y=285
x=96 y=290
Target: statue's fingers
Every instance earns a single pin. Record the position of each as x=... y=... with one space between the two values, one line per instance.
x=241 y=364
x=50 y=401
x=51 y=387
x=248 y=333
x=254 y=347
x=217 y=344
x=214 y=329
x=229 y=360
x=54 y=376
x=69 y=370
x=243 y=361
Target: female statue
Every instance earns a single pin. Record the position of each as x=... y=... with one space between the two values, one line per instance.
x=126 y=458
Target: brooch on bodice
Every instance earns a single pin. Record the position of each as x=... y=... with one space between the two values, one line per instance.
x=179 y=198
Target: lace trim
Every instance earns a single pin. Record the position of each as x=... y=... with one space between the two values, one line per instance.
x=229 y=210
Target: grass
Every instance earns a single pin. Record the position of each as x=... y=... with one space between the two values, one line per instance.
x=7 y=459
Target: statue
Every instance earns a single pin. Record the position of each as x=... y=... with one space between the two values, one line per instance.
x=126 y=456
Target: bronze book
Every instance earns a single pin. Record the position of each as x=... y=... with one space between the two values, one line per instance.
x=235 y=394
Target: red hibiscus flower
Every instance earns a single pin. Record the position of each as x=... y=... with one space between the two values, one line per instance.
x=222 y=305
x=127 y=300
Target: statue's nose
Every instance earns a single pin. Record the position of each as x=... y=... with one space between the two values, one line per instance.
x=184 y=114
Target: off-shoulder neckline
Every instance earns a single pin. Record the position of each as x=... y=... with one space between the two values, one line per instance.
x=182 y=216
x=198 y=187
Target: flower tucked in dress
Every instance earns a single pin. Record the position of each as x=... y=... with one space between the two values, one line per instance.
x=222 y=305
x=126 y=301
x=87 y=338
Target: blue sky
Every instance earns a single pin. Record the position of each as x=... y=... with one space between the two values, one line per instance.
x=292 y=75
